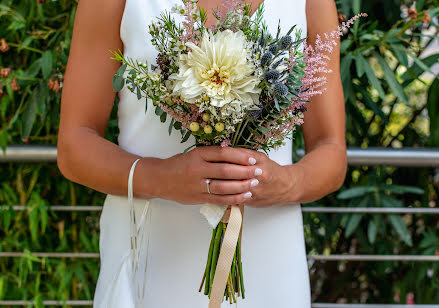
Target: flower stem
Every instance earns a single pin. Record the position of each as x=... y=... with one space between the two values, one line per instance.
x=216 y=246
x=209 y=261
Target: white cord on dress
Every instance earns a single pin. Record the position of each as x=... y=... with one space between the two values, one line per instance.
x=134 y=232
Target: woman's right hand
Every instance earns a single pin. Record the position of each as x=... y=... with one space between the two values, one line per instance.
x=232 y=171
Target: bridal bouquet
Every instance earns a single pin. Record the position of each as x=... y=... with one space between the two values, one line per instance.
x=234 y=84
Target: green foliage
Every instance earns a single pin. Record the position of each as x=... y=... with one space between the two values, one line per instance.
x=389 y=89
x=388 y=97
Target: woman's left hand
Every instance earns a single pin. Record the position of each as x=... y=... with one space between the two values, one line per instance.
x=277 y=183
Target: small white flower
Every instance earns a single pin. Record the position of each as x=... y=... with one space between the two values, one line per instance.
x=179 y=9
x=179 y=46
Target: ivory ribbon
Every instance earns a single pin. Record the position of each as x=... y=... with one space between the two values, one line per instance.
x=136 y=242
x=233 y=216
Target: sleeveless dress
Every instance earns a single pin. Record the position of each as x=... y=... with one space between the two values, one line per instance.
x=177 y=236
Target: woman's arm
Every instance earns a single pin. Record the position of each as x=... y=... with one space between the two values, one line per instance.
x=322 y=170
x=87 y=158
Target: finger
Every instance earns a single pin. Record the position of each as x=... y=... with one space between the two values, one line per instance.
x=226 y=171
x=228 y=199
x=229 y=187
x=228 y=155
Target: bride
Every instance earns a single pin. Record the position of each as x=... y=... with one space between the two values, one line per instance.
x=171 y=185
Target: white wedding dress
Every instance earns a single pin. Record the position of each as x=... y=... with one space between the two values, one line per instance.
x=175 y=237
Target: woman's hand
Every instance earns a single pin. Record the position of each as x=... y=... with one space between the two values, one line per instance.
x=277 y=183
x=233 y=173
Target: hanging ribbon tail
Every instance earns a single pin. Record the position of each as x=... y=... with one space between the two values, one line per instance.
x=226 y=254
x=137 y=242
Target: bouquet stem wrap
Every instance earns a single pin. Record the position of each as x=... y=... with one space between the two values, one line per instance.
x=233 y=216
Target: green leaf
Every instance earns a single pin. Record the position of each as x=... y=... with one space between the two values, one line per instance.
x=33 y=69
x=400 y=53
x=177 y=125
x=433 y=112
x=139 y=94
x=118 y=84
x=356 y=192
x=158 y=111
x=389 y=76
x=420 y=5
x=420 y=63
x=374 y=82
x=46 y=63
x=163 y=117
x=345 y=71
x=29 y=114
x=372 y=231
x=359 y=63
x=353 y=223
x=4 y=139
x=415 y=70
x=400 y=189
x=170 y=126
x=41 y=102
x=400 y=228
x=389 y=201
x=186 y=136
x=263 y=129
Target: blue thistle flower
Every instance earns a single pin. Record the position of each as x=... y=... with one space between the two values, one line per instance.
x=285 y=42
x=255 y=113
x=266 y=58
x=272 y=75
x=280 y=89
x=273 y=49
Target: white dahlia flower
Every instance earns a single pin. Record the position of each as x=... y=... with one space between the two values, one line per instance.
x=218 y=67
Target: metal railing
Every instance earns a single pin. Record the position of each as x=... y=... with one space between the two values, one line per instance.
x=413 y=157
x=356 y=156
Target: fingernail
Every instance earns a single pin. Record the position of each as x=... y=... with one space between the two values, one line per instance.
x=258 y=171
x=254 y=182
x=251 y=161
x=247 y=195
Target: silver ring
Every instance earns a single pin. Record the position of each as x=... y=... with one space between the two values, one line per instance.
x=208 y=185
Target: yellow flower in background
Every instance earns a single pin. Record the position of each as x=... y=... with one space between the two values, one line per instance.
x=219 y=68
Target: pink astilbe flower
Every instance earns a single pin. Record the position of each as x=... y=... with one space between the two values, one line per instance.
x=226 y=143
x=185 y=118
x=316 y=58
x=189 y=34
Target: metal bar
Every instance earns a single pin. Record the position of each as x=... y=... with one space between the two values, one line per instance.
x=82 y=255
x=314 y=305
x=408 y=157
x=47 y=303
x=342 y=257
x=59 y=208
x=317 y=209
x=346 y=257
x=29 y=153
x=404 y=157
x=400 y=210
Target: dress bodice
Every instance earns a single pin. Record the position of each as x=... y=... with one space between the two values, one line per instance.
x=142 y=133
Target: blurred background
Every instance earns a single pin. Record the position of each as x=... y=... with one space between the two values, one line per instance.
x=375 y=241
